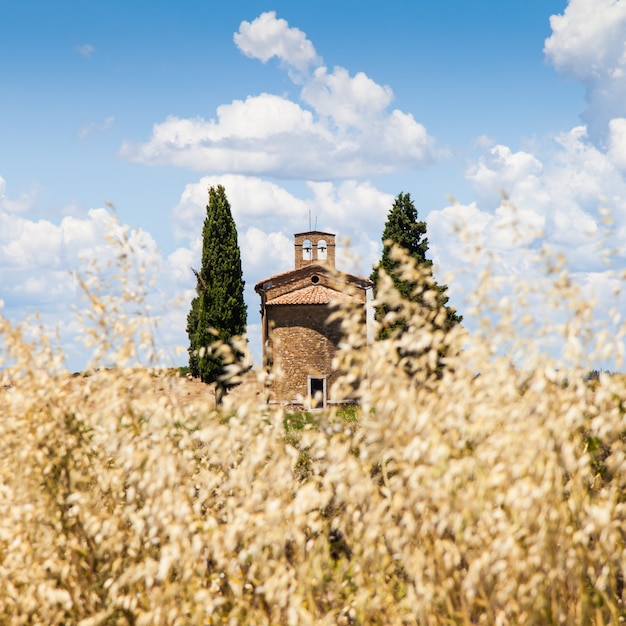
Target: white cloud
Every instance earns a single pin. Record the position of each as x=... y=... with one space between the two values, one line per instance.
x=588 y=43
x=262 y=135
x=617 y=142
x=15 y=205
x=39 y=259
x=86 y=232
x=36 y=243
x=267 y=37
x=180 y=262
x=46 y=287
x=269 y=135
x=350 y=207
x=347 y=132
x=253 y=201
x=348 y=101
x=555 y=201
x=500 y=168
x=587 y=40
x=26 y=244
x=264 y=254
x=559 y=194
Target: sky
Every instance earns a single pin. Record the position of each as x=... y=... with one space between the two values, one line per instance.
x=319 y=114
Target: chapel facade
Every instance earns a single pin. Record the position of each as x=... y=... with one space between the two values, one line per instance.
x=299 y=339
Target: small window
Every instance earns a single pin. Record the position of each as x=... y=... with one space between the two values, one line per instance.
x=315 y=279
x=307 y=250
x=322 y=249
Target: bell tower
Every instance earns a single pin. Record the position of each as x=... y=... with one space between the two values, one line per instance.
x=314 y=247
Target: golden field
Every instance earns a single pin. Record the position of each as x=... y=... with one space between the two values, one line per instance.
x=489 y=492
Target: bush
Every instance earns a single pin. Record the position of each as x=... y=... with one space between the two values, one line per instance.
x=453 y=498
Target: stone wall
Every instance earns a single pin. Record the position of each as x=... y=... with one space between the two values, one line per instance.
x=302 y=343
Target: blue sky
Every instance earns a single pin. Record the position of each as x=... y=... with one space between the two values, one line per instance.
x=332 y=107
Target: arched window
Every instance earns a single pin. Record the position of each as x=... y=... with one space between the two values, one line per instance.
x=307 y=250
x=322 y=250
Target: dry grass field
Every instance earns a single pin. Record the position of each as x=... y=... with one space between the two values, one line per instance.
x=491 y=491
x=192 y=392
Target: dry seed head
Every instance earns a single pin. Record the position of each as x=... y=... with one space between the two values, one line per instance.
x=488 y=493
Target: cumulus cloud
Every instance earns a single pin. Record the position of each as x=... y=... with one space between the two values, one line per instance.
x=15 y=205
x=262 y=135
x=26 y=244
x=352 y=206
x=617 y=142
x=267 y=37
x=496 y=171
x=556 y=205
x=344 y=127
x=348 y=101
x=36 y=242
x=588 y=43
x=254 y=202
x=39 y=260
x=264 y=254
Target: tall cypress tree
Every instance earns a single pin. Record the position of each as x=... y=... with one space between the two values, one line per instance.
x=218 y=311
x=403 y=229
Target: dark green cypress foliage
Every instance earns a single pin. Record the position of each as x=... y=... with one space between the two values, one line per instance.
x=218 y=311
x=403 y=229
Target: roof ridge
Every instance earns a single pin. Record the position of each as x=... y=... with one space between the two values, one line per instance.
x=311 y=294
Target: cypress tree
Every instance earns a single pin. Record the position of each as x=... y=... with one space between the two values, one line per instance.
x=218 y=311
x=403 y=229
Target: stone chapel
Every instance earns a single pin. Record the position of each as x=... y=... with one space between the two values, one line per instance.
x=299 y=340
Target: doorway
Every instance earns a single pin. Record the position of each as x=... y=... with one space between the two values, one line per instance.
x=317 y=392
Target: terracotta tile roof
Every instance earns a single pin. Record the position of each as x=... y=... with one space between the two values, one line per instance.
x=314 y=294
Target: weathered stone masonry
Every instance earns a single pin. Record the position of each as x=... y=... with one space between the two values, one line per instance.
x=299 y=341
